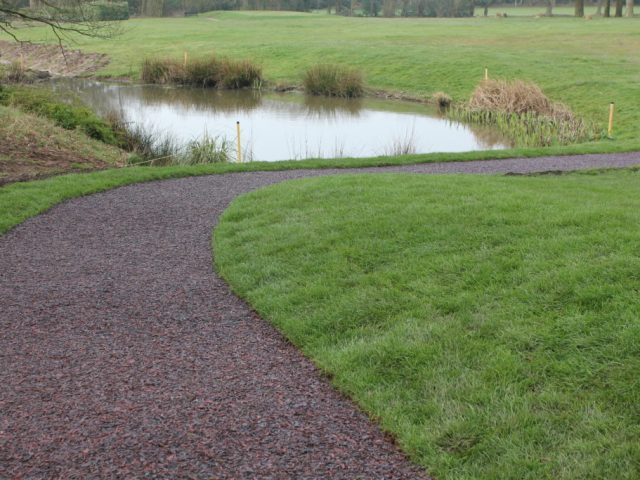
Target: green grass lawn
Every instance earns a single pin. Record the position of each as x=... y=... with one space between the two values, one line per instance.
x=586 y=64
x=491 y=323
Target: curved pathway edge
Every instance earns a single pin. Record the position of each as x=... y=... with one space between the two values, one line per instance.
x=123 y=354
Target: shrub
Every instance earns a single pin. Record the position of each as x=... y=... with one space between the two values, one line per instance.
x=524 y=113
x=207 y=149
x=162 y=71
x=334 y=81
x=208 y=73
x=16 y=72
x=240 y=74
x=204 y=73
x=442 y=100
x=513 y=97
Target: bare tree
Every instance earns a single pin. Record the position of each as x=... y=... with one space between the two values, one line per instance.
x=64 y=17
x=629 y=8
x=550 y=6
x=579 y=9
x=618 y=8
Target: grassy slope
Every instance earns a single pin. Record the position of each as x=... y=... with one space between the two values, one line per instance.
x=586 y=64
x=32 y=146
x=491 y=323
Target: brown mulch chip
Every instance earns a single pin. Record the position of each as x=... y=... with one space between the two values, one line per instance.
x=123 y=355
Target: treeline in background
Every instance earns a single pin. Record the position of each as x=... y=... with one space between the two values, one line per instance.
x=121 y=10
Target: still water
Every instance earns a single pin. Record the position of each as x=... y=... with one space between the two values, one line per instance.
x=287 y=125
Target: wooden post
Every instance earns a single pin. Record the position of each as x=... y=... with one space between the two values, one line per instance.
x=239 y=144
x=612 y=107
x=486 y=73
x=186 y=59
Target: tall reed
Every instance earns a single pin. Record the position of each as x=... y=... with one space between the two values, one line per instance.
x=522 y=112
x=209 y=72
x=529 y=129
x=334 y=81
x=150 y=147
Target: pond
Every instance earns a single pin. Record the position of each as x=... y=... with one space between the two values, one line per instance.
x=283 y=126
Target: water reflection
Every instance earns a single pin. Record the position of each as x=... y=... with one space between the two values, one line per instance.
x=322 y=107
x=287 y=126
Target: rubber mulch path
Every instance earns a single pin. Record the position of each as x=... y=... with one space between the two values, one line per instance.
x=123 y=355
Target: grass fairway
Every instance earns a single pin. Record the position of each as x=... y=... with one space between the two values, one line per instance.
x=586 y=64
x=491 y=323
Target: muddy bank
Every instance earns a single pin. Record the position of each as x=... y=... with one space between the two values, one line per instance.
x=51 y=58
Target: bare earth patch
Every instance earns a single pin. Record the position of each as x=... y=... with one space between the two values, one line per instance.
x=33 y=147
x=50 y=58
x=30 y=162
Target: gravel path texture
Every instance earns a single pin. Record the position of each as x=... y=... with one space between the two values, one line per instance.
x=123 y=355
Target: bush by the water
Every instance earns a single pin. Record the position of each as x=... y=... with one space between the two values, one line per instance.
x=524 y=113
x=516 y=97
x=442 y=100
x=205 y=72
x=334 y=81
x=70 y=115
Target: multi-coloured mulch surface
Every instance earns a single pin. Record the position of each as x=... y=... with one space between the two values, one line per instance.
x=123 y=355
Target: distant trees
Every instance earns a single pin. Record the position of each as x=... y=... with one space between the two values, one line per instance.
x=62 y=16
x=618 y=8
x=550 y=6
x=373 y=8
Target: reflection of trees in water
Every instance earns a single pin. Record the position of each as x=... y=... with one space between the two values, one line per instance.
x=489 y=137
x=327 y=107
x=106 y=97
x=486 y=136
x=202 y=99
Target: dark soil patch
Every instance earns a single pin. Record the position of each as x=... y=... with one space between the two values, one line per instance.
x=20 y=162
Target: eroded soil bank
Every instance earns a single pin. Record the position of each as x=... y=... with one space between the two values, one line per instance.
x=52 y=59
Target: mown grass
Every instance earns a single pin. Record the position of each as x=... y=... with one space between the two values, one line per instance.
x=21 y=201
x=584 y=64
x=490 y=323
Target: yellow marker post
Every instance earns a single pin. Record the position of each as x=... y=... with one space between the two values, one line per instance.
x=612 y=108
x=186 y=59
x=239 y=144
x=486 y=73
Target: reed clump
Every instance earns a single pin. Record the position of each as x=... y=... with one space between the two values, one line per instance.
x=212 y=72
x=442 y=100
x=522 y=111
x=149 y=147
x=334 y=81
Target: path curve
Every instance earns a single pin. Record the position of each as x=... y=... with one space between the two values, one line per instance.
x=123 y=355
